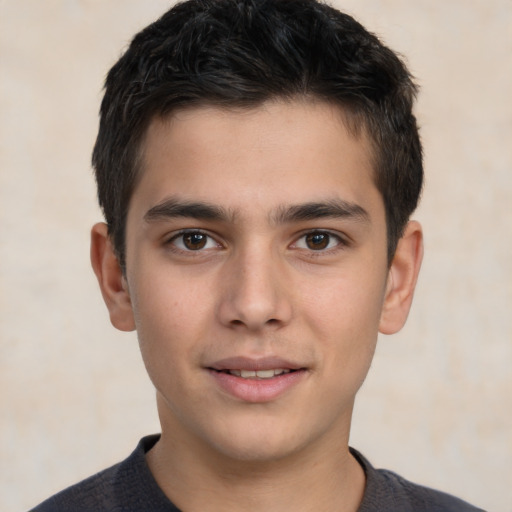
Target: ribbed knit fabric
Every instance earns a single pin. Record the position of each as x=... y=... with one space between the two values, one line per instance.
x=126 y=487
x=387 y=492
x=130 y=487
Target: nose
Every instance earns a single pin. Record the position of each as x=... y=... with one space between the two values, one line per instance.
x=255 y=292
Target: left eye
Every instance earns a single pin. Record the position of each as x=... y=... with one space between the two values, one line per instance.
x=193 y=241
x=318 y=241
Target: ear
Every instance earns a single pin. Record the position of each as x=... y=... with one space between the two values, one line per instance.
x=111 y=279
x=402 y=277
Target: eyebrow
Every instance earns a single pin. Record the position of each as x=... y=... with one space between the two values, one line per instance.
x=334 y=209
x=172 y=208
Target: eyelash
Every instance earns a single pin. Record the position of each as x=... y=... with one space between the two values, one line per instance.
x=183 y=233
x=341 y=242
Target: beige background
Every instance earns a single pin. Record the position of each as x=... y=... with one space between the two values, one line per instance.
x=437 y=405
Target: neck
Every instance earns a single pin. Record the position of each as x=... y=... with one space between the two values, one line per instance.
x=324 y=477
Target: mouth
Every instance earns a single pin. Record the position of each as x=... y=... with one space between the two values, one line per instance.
x=257 y=374
x=255 y=368
x=257 y=380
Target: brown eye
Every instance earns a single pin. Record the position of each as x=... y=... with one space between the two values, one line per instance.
x=194 y=241
x=317 y=241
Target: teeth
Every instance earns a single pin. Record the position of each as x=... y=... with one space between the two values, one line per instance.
x=259 y=374
x=265 y=374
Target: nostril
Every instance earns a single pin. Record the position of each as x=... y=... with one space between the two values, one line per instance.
x=270 y=322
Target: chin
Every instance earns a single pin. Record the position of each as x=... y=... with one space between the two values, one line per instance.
x=256 y=451
x=258 y=444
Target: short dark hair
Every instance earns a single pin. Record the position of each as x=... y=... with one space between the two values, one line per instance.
x=240 y=53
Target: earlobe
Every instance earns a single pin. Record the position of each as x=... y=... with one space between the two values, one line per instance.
x=111 y=279
x=402 y=277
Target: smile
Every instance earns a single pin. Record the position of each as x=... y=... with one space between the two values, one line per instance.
x=257 y=380
x=257 y=385
x=258 y=374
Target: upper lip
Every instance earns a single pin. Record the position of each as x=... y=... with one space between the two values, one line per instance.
x=254 y=364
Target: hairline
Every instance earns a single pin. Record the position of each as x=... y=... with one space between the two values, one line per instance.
x=352 y=118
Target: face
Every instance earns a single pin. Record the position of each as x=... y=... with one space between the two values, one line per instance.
x=256 y=276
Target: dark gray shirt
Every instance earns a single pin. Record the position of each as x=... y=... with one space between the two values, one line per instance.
x=130 y=487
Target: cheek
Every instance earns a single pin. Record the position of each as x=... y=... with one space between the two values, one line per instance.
x=344 y=304
x=344 y=320
x=169 y=302
x=171 y=317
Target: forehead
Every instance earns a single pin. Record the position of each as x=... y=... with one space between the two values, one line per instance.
x=279 y=152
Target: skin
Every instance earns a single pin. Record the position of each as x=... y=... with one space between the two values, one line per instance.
x=257 y=277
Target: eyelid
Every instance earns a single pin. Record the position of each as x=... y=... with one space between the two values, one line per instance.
x=176 y=235
x=342 y=240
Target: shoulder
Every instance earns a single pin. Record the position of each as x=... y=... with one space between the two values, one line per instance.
x=126 y=486
x=94 y=493
x=420 y=498
x=387 y=491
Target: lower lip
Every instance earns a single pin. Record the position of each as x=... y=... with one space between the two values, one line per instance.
x=257 y=390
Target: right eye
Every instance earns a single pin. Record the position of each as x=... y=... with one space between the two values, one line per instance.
x=193 y=241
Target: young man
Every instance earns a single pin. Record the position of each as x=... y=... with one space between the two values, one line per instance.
x=257 y=163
